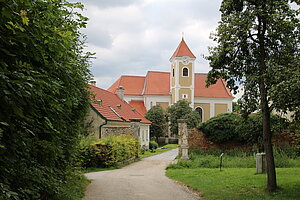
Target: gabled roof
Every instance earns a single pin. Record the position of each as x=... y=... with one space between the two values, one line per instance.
x=157 y=83
x=112 y=108
x=139 y=106
x=133 y=85
x=183 y=50
x=218 y=90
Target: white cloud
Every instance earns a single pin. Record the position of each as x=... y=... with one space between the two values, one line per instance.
x=134 y=36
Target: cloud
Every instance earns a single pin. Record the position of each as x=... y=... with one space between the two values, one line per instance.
x=134 y=36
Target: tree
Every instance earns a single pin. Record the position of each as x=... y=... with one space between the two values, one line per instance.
x=257 y=40
x=182 y=110
x=43 y=96
x=157 y=116
x=236 y=107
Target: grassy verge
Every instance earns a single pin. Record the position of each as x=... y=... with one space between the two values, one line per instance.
x=95 y=169
x=238 y=183
x=74 y=187
x=162 y=149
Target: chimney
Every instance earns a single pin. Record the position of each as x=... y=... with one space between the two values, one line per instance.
x=120 y=93
x=93 y=82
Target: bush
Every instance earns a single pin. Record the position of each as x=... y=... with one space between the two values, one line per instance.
x=153 y=145
x=222 y=128
x=107 y=152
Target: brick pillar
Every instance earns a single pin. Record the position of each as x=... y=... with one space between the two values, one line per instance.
x=183 y=139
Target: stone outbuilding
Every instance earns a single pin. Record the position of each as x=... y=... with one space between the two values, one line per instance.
x=109 y=114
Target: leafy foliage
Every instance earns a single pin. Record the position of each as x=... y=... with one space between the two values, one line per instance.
x=43 y=95
x=153 y=145
x=221 y=128
x=107 y=152
x=258 y=46
x=182 y=110
x=158 y=118
x=230 y=126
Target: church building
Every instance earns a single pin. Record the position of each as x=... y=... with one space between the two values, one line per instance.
x=181 y=82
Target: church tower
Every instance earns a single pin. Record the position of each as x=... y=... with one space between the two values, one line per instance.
x=182 y=74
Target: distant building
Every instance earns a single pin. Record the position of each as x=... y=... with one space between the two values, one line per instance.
x=166 y=88
x=109 y=115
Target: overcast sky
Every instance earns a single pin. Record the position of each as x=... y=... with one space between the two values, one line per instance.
x=131 y=37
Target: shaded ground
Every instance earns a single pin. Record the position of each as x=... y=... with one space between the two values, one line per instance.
x=144 y=180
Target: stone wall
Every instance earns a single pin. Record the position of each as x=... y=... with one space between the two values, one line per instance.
x=116 y=131
x=197 y=140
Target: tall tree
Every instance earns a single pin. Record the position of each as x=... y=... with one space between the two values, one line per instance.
x=182 y=110
x=43 y=96
x=257 y=40
x=158 y=118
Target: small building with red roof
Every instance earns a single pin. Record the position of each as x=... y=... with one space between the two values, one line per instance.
x=181 y=82
x=110 y=114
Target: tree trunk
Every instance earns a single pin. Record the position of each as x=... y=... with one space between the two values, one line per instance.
x=267 y=138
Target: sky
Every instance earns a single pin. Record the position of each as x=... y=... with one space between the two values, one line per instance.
x=131 y=37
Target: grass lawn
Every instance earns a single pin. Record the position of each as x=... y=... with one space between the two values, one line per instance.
x=238 y=183
x=162 y=149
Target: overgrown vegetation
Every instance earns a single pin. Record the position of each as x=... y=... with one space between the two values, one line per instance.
x=43 y=98
x=107 y=152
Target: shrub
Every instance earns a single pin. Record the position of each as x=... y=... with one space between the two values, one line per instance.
x=250 y=129
x=153 y=145
x=108 y=151
x=222 y=128
x=87 y=153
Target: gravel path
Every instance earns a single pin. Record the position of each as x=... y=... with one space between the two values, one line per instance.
x=143 y=180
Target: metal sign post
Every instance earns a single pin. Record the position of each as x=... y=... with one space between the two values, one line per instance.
x=221 y=157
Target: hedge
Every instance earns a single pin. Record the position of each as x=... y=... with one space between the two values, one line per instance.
x=109 y=151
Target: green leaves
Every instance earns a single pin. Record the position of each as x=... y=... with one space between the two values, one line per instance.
x=182 y=110
x=43 y=96
x=158 y=118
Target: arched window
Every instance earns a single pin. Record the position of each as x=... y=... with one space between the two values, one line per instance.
x=200 y=111
x=185 y=72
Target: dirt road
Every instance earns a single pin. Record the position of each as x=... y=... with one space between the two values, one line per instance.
x=143 y=180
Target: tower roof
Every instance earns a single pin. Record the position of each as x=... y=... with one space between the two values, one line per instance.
x=183 y=50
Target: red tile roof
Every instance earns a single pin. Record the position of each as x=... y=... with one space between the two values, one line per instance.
x=183 y=50
x=139 y=106
x=218 y=90
x=133 y=85
x=112 y=108
x=157 y=83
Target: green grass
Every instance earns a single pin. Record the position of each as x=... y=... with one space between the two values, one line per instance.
x=167 y=147
x=74 y=187
x=95 y=169
x=238 y=183
x=202 y=159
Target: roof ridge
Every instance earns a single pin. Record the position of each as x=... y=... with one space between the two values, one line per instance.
x=133 y=76
x=158 y=72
